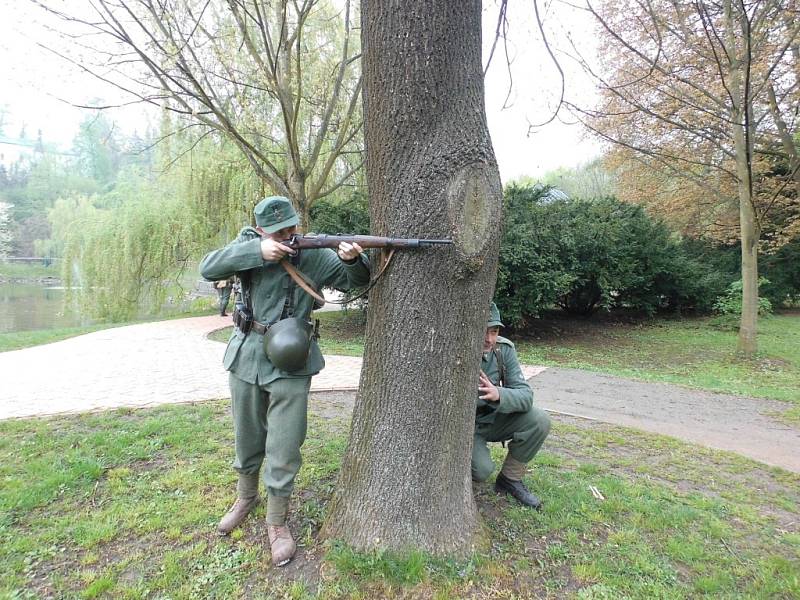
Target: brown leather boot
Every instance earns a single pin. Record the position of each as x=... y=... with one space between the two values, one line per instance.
x=281 y=543
x=247 y=500
x=236 y=514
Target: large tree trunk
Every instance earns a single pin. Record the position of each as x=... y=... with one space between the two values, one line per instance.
x=431 y=172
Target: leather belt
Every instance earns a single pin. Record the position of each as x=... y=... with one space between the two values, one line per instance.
x=260 y=327
x=248 y=325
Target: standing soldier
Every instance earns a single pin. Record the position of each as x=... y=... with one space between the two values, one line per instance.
x=223 y=288
x=269 y=382
x=505 y=413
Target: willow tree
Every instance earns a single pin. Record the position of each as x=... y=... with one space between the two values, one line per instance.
x=431 y=172
x=700 y=93
x=279 y=79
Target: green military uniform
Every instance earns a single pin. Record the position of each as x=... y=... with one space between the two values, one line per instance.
x=224 y=294
x=269 y=405
x=513 y=418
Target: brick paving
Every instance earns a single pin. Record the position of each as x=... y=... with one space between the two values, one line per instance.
x=134 y=366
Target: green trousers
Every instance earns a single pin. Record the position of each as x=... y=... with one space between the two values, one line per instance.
x=525 y=432
x=269 y=425
x=224 y=296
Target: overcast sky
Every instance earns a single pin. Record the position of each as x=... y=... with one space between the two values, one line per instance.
x=35 y=85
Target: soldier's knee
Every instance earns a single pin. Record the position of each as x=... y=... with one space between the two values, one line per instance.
x=536 y=423
x=543 y=422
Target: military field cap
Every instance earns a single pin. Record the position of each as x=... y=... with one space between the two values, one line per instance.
x=494 y=317
x=274 y=213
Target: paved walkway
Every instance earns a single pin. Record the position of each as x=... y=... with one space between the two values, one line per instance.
x=173 y=361
x=137 y=365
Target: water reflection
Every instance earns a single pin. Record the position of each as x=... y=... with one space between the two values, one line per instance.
x=29 y=306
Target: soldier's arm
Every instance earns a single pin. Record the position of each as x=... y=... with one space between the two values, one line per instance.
x=516 y=394
x=241 y=254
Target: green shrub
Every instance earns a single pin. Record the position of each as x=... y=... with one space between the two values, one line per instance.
x=731 y=302
x=584 y=255
x=350 y=215
x=782 y=270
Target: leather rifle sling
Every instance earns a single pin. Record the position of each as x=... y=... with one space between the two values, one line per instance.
x=302 y=281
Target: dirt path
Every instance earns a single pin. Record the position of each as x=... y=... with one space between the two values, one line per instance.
x=734 y=423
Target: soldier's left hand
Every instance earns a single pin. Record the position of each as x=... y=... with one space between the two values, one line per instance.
x=348 y=252
x=487 y=390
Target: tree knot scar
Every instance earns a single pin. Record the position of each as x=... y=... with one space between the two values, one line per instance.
x=474 y=199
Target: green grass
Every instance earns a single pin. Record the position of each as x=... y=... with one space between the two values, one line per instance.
x=19 y=270
x=689 y=352
x=124 y=505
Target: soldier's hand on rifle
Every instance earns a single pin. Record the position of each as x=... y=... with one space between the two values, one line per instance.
x=349 y=252
x=274 y=251
x=487 y=390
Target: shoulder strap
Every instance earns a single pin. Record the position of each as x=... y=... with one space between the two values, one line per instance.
x=498 y=355
x=302 y=279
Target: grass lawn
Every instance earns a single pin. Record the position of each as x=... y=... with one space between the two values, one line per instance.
x=24 y=270
x=124 y=505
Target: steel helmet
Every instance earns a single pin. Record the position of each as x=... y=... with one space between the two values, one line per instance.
x=287 y=344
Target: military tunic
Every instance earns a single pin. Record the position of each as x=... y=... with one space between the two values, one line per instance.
x=269 y=405
x=269 y=283
x=513 y=418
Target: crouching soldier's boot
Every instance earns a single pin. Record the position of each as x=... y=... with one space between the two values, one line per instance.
x=281 y=542
x=246 y=500
x=509 y=481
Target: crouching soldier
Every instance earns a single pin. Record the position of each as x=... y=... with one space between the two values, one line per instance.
x=505 y=413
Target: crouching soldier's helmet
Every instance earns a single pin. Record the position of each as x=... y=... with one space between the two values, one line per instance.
x=288 y=343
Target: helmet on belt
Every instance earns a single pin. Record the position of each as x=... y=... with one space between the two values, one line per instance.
x=288 y=343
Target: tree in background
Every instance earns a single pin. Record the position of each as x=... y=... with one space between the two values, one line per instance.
x=280 y=80
x=700 y=93
x=97 y=149
x=431 y=172
x=592 y=180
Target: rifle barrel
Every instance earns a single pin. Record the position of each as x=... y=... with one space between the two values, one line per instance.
x=366 y=241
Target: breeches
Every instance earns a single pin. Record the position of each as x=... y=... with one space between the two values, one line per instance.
x=224 y=297
x=269 y=422
x=525 y=433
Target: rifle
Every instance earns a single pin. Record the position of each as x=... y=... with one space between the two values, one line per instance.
x=299 y=241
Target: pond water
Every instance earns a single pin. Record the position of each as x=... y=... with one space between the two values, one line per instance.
x=29 y=306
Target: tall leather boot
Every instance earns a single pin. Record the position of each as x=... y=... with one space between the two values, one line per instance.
x=246 y=500
x=281 y=542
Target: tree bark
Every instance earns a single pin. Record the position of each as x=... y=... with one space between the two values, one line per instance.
x=741 y=123
x=431 y=172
